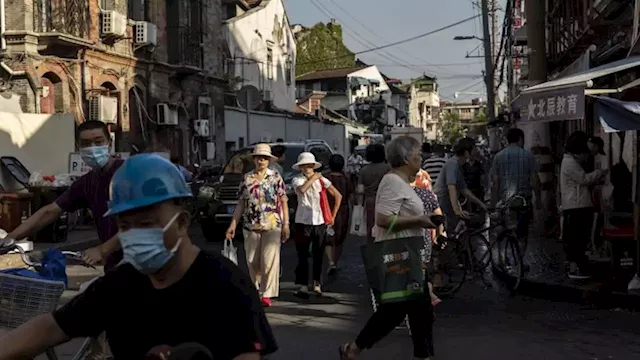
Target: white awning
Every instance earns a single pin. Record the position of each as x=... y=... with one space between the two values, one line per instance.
x=584 y=79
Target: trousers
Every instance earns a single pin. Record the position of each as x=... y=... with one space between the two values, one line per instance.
x=262 y=250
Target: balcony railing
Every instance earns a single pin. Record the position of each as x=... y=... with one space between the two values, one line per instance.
x=185 y=46
x=61 y=16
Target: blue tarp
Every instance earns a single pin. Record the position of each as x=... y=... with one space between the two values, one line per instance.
x=616 y=115
x=54 y=266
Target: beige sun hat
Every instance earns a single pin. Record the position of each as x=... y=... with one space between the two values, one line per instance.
x=306 y=158
x=262 y=150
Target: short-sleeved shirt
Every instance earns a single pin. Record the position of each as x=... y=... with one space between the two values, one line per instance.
x=433 y=166
x=513 y=166
x=91 y=191
x=309 y=211
x=214 y=304
x=262 y=200
x=396 y=197
x=451 y=174
x=370 y=177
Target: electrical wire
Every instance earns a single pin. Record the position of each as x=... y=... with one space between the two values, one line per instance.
x=396 y=42
x=364 y=26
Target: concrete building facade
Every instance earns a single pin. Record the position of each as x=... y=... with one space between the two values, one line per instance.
x=152 y=68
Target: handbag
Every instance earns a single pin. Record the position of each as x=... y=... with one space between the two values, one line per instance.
x=324 y=204
x=394 y=269
x=358 y=221
x=230 y=252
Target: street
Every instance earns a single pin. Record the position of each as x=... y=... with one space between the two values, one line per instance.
x=479 y=323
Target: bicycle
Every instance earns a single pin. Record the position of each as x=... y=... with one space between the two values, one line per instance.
x=25 y=293
x=461 y=248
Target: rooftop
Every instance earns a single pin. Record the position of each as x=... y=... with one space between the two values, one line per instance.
x=329 y=73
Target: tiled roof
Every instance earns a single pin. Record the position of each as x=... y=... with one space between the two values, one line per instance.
x=328 y=74
x=397 y=90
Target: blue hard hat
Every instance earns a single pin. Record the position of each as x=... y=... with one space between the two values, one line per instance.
x=144 y=180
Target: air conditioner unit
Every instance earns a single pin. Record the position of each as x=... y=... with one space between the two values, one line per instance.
x=266 y=95
x=103 y=108
x=166 y=115
x=113 y=23
x=201 y=127
x=145 y=33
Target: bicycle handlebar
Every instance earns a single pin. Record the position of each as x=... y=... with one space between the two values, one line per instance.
x=11 y=245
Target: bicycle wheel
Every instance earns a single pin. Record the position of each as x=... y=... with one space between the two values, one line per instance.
x=478 y=247
x=510 y=261
x=450 y=268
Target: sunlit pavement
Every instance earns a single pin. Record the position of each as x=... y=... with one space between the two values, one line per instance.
x=477 y=324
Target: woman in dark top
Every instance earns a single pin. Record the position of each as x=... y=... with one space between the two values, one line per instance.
x=341 y=224
x=368 y=182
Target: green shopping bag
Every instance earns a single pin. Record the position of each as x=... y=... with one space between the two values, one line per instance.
x=394 y=268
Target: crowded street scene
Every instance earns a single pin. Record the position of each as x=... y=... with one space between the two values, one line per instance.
x=319 y=179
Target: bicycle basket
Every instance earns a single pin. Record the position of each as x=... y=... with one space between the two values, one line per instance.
x=22 y=298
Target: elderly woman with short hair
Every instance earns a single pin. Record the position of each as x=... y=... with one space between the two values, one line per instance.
x=400 y=208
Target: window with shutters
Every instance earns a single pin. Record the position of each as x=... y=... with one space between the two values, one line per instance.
x=270 y=63
x=136 y=10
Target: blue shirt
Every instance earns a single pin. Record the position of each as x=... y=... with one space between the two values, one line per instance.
x=451 y=174
x=514 y=166
x=185 y=173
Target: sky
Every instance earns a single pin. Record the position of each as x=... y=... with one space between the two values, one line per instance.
x=371 y=23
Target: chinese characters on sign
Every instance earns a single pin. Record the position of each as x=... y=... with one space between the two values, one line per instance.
x=565 y=104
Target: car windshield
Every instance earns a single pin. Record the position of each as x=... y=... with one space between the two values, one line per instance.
x=242 y=163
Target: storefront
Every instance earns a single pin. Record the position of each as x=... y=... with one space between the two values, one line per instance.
x=574 y=103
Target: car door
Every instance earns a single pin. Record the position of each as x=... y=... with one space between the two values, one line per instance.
x=322 y=153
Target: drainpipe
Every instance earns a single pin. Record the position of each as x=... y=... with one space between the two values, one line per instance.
x=3 y=27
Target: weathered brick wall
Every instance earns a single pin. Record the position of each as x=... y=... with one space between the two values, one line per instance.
x=213 y=37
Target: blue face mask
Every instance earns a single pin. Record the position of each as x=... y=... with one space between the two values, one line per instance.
x=95 y=156
x=145 y=249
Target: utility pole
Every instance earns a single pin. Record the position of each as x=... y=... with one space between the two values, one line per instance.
x=495 y=42
x=488 y=62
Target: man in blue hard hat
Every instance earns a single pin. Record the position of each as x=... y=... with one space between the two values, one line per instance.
x=168 y=291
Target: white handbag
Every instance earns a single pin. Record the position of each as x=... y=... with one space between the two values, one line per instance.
x=229 y=251
x=358 y=221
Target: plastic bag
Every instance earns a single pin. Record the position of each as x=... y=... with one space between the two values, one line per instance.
x=229 y=251
x=358 y=221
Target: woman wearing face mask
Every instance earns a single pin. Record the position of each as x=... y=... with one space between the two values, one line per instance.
x=311 y=227
x=165 y=285
x=263 y=208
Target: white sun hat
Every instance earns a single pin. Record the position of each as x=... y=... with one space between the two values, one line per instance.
x=262 y=150
x=306 y=158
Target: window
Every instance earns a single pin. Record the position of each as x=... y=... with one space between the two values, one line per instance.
x=204 y=108
x=107 y=4
x=288 y=72
x=135 y=10
x=322 y=154
x=270 y=64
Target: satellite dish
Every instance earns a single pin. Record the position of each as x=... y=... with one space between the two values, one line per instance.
x=249 y=97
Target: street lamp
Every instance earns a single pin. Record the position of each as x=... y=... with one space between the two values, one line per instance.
x=472 y=37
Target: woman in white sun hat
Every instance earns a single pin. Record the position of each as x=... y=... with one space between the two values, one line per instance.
x=265 y=221
x=310 y=223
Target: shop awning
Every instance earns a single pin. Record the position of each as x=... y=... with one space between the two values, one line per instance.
x=616 y=115
x=585 y=78
x=563 y=98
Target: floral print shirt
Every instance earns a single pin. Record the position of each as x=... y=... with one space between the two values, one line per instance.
x=263 y=208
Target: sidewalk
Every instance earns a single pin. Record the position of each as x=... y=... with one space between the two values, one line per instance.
x=546 y=277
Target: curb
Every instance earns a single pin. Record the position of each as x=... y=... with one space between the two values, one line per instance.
x=597 y=295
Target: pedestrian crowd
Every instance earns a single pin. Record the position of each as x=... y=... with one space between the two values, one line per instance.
x=174 y=293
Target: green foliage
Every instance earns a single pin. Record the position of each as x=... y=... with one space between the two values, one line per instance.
x=452 y=128
x=322 y=42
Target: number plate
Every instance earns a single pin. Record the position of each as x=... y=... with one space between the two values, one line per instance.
x=231 y=209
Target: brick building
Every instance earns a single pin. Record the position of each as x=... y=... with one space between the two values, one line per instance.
x=138 y=63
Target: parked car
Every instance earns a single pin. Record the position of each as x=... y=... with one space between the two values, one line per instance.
x=221 y=197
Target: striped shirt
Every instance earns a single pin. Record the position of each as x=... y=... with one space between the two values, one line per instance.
x=433 y=165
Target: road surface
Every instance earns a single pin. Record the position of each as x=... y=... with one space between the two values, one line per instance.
x=477 y=324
